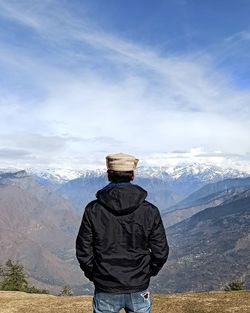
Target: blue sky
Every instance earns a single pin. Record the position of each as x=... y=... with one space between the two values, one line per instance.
x=167 y=81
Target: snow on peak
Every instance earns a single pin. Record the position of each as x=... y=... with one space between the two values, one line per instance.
x=204 y=171
x=207 y=171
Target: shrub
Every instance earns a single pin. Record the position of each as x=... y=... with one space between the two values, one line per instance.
x=66 y=291
x=235 y=285
x=33 y=289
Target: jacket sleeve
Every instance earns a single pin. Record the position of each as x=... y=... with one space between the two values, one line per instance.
x=84 y=246
x=158 y=245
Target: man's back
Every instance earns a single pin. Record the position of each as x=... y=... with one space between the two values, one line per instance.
x=128 y=241
x=121 y=242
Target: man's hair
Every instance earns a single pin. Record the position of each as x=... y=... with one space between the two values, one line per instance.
x=120 y=176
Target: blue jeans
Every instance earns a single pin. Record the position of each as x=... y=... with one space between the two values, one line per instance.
x=135 y=302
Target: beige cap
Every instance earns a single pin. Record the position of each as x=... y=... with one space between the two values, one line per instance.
x=121 y=162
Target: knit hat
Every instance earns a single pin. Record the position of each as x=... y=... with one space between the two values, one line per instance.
x=121 y=162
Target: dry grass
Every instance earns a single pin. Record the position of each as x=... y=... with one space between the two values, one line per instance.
x=202 y=302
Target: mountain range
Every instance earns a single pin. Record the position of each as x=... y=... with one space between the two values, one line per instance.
x=40 y=214
x=165 y=185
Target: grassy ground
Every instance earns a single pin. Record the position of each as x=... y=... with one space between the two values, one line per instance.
x=202 y=302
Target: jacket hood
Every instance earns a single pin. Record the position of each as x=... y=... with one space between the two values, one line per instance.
x=121 y=198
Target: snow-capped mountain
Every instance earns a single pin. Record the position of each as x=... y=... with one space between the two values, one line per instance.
x=165 y=185
x=205 y=172
x=62 y=175
x=56 y=175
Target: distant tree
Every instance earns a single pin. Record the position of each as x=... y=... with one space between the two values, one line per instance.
x=235 y=285
x=66 y=291
x=1 y=274
x=14 y=277
x=1 y=270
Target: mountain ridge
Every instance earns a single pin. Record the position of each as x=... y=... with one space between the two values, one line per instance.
x=208 y=171
x=209 y=248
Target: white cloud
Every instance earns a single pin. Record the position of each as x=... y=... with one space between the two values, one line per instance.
x=198 y=155
x=121 y=96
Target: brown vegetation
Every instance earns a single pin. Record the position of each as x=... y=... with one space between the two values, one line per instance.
x=202 y=302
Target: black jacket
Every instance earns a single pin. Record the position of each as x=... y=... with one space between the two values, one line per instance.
x=121 y=242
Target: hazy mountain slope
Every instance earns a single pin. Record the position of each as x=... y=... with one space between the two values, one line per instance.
x=158 y=191
x=177 y=215
x=82 y=190
x=209 y=249
x=213 y=188
x=165 y=186
x=39 y=229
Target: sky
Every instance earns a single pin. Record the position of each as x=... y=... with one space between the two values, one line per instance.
x=167 y=81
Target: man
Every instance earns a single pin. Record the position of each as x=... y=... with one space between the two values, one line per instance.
x=121 y=242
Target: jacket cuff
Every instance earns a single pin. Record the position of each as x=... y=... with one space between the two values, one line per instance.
x=155 y=268
x=88 y=272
